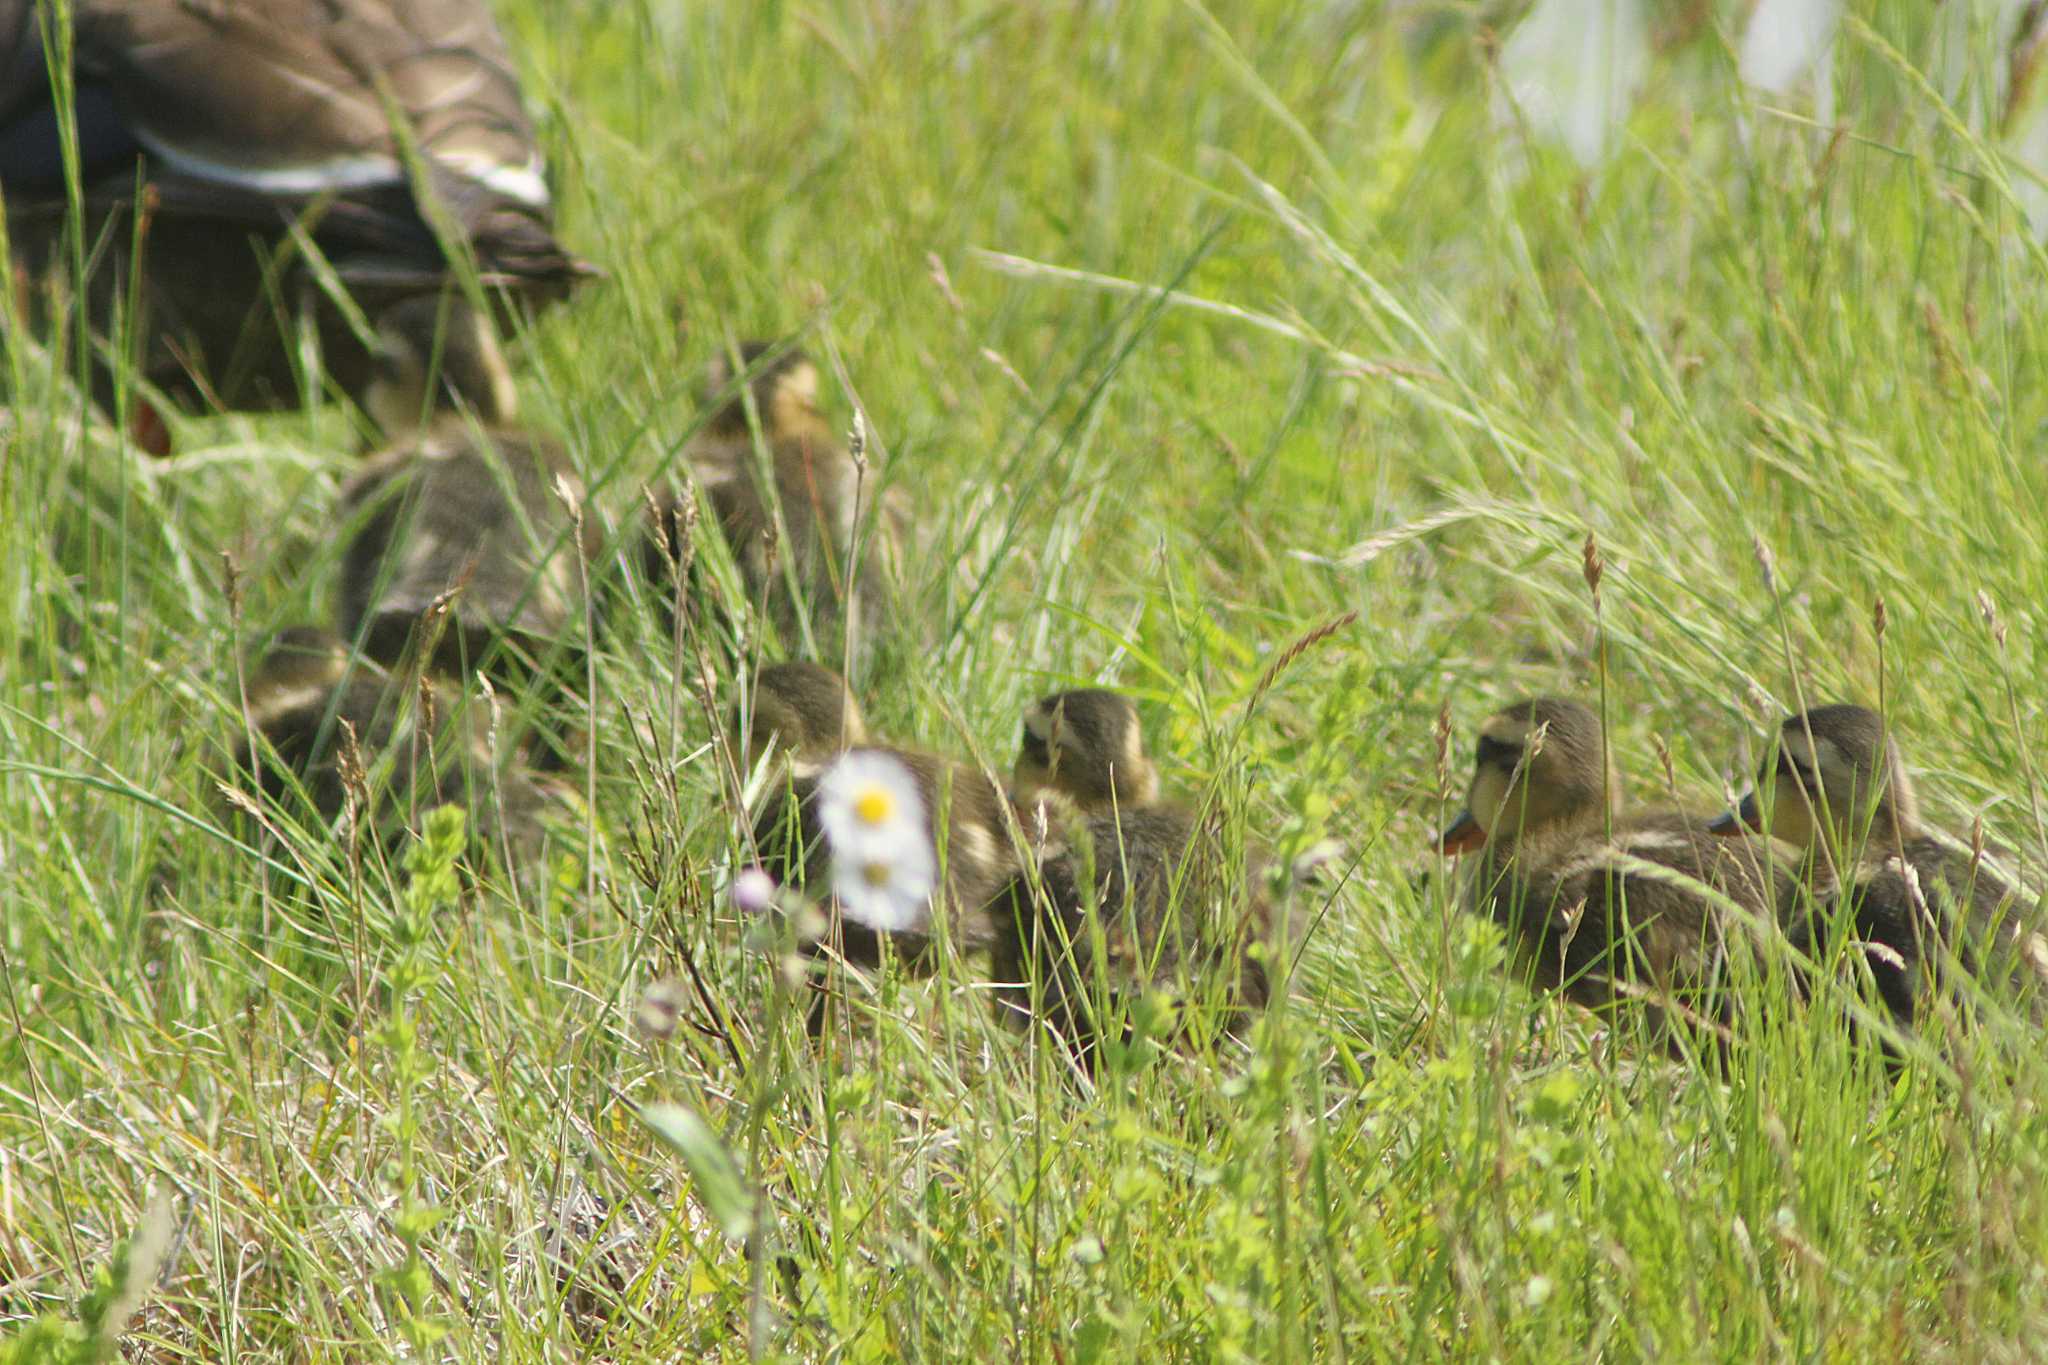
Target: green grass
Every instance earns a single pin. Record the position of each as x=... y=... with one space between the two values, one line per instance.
x=1461 y=351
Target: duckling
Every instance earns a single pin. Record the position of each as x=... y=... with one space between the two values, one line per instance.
x=298 y=693
x=839 y=565
x=238 y=123
x=307 y=691
x=803 y=711
x=436 y=363
x=1587 y=897
x=1087 y=746
x=1915 y=900
x=797 y=705
x=1171 y=904
x=461 y=506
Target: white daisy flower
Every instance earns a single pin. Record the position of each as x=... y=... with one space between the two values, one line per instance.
x=884 y=868
x=868 y=799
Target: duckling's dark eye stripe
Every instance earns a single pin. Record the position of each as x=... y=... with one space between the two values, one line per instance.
x=1034 y=748
x=1498 y=752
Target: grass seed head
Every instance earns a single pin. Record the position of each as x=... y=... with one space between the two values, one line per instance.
x=231 y=585
x=1766 y=562
x=1989 y=611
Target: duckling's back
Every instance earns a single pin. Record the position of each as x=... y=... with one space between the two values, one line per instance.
x=1923 y=912
x=843 y=540
x=478 y=512
x=306 y=697
x=302 y=699
x=1173 y=907
x=1644 y=907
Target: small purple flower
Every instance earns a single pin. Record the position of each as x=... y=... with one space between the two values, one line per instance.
x=754 y=891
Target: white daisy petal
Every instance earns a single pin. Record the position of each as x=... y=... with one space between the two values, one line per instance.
x=884 y=869
x=887 y=896
x=868 y=795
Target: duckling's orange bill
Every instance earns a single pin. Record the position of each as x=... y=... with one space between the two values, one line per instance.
x=147 y=428
x=1746 y=815
x=1463 y=836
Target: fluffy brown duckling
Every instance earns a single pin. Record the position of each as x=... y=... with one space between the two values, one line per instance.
x=1916 y=903
x=1134 y=893
x=966 y=854
x=1087 y=746
x=1588 y=898
x=831 y=541
x=461 y=507
x=802 y=712
x=307 y=694
x=222 y=127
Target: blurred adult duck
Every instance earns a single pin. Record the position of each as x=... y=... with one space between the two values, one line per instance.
x=387 y=135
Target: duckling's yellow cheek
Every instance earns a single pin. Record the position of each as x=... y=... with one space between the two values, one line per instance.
x=395 y=406
x=1029 y=781
x=1791 y=816
x=1489 y=795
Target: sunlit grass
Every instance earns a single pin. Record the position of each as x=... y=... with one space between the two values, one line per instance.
x=1458 y=353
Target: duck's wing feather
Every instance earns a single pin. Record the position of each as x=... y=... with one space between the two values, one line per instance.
x=252 y=110
x=295 y=97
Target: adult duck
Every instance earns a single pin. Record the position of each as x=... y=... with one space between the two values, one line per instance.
x=282 y=152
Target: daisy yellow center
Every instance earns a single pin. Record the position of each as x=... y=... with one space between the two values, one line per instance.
x=874 y=806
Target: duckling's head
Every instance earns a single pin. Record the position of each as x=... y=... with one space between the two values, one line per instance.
x=294 y=693
x=1836 y=769
x=806 y=712
x=1087 y=746
x=301 y=661
x=785 y=390
x=1538 y=770
x=437 y=355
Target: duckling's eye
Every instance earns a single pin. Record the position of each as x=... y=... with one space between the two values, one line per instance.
x=1791 y=767
x=1498 y=753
